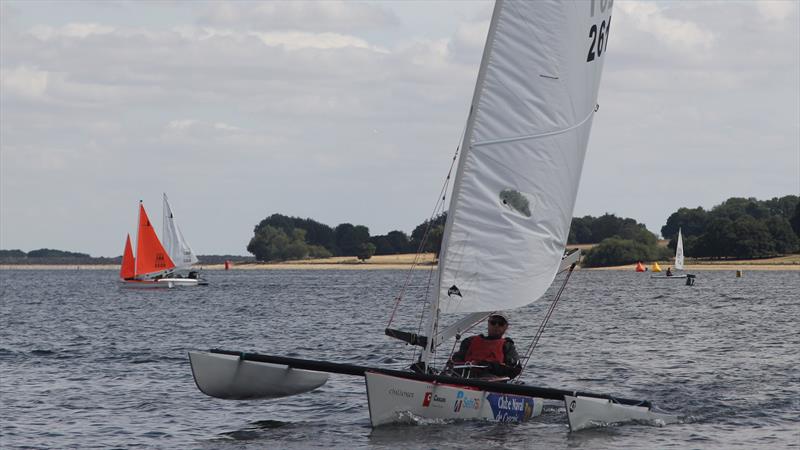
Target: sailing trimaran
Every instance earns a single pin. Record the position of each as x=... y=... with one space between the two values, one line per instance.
x=504 y=241
x=153 y=266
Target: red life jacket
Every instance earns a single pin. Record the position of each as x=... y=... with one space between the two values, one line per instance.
x=483 y=349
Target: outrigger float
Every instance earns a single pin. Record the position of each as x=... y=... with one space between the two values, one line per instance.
x=504 y=239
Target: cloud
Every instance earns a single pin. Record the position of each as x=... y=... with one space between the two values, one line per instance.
x=681 y=35
x=327 y=16
x=72 y=30
x=775 y=11
x=23 y=81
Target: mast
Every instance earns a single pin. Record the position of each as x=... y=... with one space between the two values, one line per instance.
x=433 y=311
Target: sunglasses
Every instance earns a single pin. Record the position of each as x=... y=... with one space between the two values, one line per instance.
x=497 y=322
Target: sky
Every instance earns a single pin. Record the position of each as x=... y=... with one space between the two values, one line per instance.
x=351 y=112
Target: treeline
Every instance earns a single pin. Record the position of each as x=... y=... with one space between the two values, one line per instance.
x=281 y=238
x=47 y=256
x=743 y=228
x=50 y=256
x=621 y=241
x=738 y=228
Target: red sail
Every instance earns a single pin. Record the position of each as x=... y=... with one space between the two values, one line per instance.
x=128 y=269
x=150 y=254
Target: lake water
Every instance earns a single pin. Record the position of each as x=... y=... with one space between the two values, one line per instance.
x=85 y=364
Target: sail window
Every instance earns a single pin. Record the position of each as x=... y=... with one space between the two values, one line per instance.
x=516 y=201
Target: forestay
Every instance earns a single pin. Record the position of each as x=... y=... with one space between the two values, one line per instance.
x=176 y=245
x=522 y=153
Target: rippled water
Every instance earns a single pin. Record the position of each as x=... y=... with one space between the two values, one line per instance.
x=84 y=363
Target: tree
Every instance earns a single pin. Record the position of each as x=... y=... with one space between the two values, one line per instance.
x=268 y=244
x=399 y=241
x=783 y=237
x=717 y=240
x=349 y=238
x=580 y=231
x=365 y=251
x=751 y=238
x=316 y=233
x=692 y=222
x=615 y=251
x=795 y=219
x=421 y=238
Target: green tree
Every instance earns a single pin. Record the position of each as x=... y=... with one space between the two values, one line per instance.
x=751 y=238
x=365 y=251
x=580 y=231
x=349 y=238
x=616 y=251
x=425 y=239
x=783 y=237
x=692 y=222
x=795 y=219
x=399 y=241
x=268 y=243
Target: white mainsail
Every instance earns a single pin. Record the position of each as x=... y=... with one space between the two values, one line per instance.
x=174 y=242
x=679 y=252
x=522 y=153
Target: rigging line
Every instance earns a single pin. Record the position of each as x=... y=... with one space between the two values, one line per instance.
x=542 y=326
x=437 y=207
x=536 y=136
x=422 y=313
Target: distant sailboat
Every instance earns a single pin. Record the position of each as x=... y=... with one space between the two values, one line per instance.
x=678 y=262
x=655 y=268
x=679 y=252
x=176 y=245
x=152 y=266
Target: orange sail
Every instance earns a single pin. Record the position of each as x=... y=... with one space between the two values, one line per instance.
x=151 y=257
x=128 y=269
x=640 y=267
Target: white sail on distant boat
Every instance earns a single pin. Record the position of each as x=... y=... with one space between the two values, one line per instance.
x=679 y=252
x=505 y=236
x=174 y=242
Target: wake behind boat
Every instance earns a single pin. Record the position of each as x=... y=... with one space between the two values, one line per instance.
x=504 y=241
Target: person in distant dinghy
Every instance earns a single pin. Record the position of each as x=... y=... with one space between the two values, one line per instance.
x=497 y=353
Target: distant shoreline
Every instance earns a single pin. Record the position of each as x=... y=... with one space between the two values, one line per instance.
x=425 y=262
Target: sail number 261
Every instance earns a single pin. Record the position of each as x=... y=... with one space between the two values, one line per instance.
x=599 y=36
x=599 y=39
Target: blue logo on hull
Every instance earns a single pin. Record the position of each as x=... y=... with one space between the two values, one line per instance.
x=510 y=408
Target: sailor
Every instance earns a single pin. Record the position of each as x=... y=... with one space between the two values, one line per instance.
x=497 y=353
x=669 y=271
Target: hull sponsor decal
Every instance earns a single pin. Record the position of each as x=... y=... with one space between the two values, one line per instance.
x=510 y=408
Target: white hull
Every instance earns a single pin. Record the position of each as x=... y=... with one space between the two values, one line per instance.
x=392 y=399
x=162 y=283
x=230 y=377
x=589 y=412
x=662 y=277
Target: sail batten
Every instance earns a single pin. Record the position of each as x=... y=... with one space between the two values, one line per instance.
x=522 y=154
